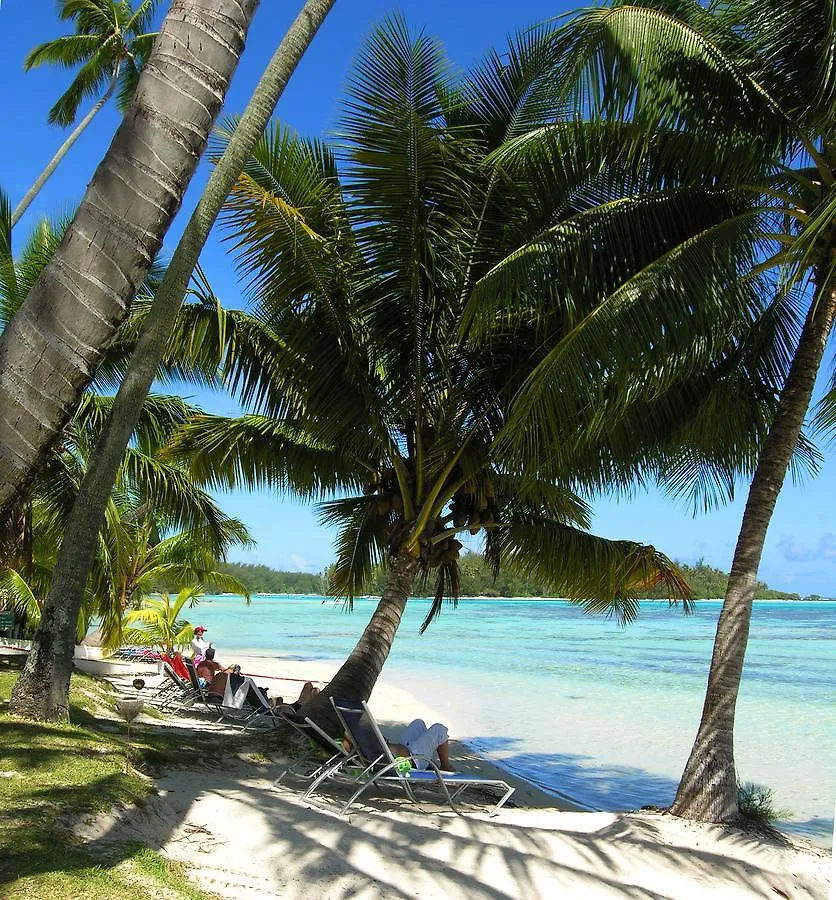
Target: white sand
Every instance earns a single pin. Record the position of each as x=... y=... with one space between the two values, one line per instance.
x=244 y=838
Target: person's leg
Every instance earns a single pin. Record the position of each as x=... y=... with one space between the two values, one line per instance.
x=413 y=731
x=433 y=740
x=307 y=693
x=443 y=750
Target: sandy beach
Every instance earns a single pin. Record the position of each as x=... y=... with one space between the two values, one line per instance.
x=243 y=837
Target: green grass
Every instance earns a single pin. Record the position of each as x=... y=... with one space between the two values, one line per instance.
x=757 y=804
x=53 y=775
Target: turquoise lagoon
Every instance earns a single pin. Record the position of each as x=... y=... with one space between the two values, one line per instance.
x=581 y=707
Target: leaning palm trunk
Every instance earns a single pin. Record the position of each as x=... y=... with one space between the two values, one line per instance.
x=358 y=674
x=76 y=557
x=50 y=349
x=708 y=789
x=52 y=165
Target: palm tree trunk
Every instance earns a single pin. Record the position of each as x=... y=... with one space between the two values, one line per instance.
x=73 y=567
x=708 y=789
x=50 y=349
x=359 y=673
x=76 y=133
x=44 y=691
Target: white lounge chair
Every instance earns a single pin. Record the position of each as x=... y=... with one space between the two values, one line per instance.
x=383 y=768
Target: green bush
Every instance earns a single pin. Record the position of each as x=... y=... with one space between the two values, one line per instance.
x=757 y=804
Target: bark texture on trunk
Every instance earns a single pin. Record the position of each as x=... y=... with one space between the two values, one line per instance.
x=50 y=349
x=359 y=673
x=52 y=165
x=85 y=521
x=42 y=691
x=708 y=789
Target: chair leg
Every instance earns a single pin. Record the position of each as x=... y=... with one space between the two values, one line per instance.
x=502 y=800
x=355 y=795
x=324 y=775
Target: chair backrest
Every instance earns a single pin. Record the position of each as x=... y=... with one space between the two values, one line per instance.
x=361 y=728
x=242 y=691
x=193 y=675
x=309 y=729
x=169 y=671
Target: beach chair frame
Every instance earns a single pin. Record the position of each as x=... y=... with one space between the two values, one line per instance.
x=212 y=702
x=252 y=715
x=174 y=694
x=311 y=768
x=243 y=717
x=383 y=769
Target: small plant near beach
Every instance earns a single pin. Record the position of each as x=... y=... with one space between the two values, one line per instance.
x=757 y=803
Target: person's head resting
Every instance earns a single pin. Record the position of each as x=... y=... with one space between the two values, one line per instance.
x=210 y=653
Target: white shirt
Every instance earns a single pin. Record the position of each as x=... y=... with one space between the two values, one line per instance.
x=199 y=646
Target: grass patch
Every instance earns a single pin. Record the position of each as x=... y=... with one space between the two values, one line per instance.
x=757 y=804
x=52 y=775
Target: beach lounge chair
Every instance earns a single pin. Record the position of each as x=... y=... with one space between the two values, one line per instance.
x=210 y=701
x=310 y=766
x=383 y=768
x=245 y=704
x=175 y=693
x=238 y=704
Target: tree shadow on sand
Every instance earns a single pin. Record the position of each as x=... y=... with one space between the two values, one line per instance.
x=580 y=778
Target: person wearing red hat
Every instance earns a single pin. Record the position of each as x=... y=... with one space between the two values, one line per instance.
x=199 y=644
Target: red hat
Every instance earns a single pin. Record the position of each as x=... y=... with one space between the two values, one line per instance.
x=200 y=628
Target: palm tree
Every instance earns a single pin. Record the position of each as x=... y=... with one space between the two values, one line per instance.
x=157 y=622
x=159 y=524
x=74 y=564
x=110 y=45
x=58 y=335
x=161 y=528
x=744 y=94
x=377 y=386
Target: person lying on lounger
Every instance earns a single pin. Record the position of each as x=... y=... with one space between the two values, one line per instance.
x=306 y=695
x=420 y=744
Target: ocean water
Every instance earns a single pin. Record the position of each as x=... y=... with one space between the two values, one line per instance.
x=582 y=707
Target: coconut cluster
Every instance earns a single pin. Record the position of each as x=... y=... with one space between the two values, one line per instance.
x=474 y=508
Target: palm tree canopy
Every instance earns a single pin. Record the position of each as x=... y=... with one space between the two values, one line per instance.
x=743 y=93
x=158 y=622
x=408 y=285
x=111 y=41
x=751 y=84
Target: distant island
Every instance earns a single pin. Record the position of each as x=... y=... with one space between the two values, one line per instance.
x=477 y=581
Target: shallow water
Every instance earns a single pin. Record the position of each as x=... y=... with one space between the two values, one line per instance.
x=586 y=709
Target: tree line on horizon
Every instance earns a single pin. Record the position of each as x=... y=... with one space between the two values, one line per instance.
x=707 y=582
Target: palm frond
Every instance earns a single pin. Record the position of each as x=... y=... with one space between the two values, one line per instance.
x=600 y=575
x=17 y=595
x=257 y=451
x=360 y=544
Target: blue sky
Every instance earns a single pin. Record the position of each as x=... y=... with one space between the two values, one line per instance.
x=800 y=553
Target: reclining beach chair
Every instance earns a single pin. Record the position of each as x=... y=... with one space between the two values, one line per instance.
x=383 y=768
x=210 y=701
x=245 y=704
x=310 y=765
x=174 y=693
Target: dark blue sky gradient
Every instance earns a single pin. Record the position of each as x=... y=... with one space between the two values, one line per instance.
x=801 y=546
